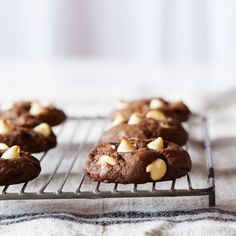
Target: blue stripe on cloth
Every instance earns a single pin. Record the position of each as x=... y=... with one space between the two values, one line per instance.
x=128 y=217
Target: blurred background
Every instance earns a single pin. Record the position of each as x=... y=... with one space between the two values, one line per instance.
x=86 y=49
x=172 y=31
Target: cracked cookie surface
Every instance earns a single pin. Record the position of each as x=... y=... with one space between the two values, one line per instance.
x=176 y=110
x=38 y=139
x=30 y=114
x=137 y=161
x=17 y=169
x=144 y=128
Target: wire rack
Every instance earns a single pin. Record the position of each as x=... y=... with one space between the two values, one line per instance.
x=62 y=168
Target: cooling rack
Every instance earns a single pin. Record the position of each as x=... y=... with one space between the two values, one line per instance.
x=62 y=167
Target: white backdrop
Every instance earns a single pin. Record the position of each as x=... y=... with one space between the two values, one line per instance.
x=162 y=31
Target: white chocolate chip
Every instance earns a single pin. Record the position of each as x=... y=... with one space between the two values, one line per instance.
x=12 y=152
x=156 y=115
x=113 y=147
x=107 y=159
x=156 y=103
x=166 y=125
x=118 y=119
x=157 y=144
x=37 y=109
x=135 y=119
x=43 y=129
x=47 y=104
x=125 y=146
x=5 y=106
x=5 y=127
x=3 y=146
x=121 y=104
x=157 y=169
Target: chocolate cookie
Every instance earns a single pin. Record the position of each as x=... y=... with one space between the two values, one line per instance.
x=175 y=110
x=17 y=166
x=40 y=138
x=31 y=114
x=146 y=128
x=137 y=161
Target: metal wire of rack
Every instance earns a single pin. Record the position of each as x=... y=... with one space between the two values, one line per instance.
x=62 y=176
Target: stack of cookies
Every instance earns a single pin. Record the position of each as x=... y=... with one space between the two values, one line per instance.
x=25 y=128
x=143 y=144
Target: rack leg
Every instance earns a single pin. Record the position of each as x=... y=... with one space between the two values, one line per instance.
x=212 y=199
